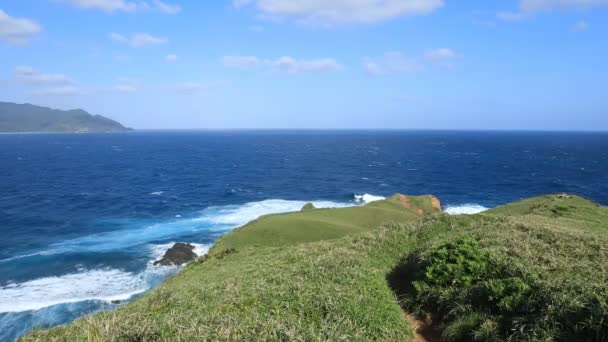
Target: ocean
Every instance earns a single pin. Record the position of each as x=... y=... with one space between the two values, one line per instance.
x=82 y=217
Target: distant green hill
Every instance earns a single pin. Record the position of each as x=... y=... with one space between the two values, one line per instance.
x=27 y=118
x=393 y=270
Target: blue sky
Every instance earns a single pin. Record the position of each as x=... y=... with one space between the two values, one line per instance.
x=411 y=64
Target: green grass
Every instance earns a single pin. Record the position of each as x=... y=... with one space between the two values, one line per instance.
x=311 y=225
x=347 y=280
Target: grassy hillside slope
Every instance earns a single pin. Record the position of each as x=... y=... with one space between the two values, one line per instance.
x=356 y=284
x=324 y=224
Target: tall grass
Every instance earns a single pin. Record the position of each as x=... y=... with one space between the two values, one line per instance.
x=349 y=288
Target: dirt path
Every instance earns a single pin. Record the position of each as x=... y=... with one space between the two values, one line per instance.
x=424 y=330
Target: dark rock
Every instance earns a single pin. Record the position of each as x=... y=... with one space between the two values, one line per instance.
x=116 y=302
x=179 y=254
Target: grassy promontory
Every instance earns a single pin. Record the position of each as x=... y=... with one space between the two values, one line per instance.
x=535 y=270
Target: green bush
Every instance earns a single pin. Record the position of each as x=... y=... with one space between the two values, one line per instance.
x=458 y=264
x=477 y=295
x=505 y=295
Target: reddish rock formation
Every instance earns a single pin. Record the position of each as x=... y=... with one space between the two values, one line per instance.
x=436 y=203
x=405 y=201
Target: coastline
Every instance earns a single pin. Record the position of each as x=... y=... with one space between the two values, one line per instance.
x=273 y=272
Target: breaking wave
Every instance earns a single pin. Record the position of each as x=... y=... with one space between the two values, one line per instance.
x=367 y=198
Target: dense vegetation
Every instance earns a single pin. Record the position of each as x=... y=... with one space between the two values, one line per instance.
x=536 y=270
x=15 y=118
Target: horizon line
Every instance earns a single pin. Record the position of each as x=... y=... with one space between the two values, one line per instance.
x=375 y=130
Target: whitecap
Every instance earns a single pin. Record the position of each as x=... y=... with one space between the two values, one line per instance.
x=367 y=198
x=99 y=284
x=156 y=193
x=211 y=219
x=105 y=284
x=238 y=215
x=465 y=209
x=109 y=284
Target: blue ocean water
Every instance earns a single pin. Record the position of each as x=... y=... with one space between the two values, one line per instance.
x=83 y=216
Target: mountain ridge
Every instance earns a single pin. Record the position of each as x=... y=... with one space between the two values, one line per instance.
x=29 y=118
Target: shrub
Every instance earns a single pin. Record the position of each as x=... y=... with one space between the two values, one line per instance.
x=505 y=295
x=458 y=264
x=476 y=294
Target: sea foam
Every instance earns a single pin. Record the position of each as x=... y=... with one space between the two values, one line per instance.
x=100 y=284
x=105 y=284
x=212 y=219
x=109 y=284
x=367 y=198
x=237 y=215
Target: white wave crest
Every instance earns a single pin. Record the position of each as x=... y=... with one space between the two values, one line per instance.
x=367 y=198
x=215 y=219
x=100 y=284
x=112 y=284
x=156 y=193
x=238 y=215
x=109 y=284
x=465 y=209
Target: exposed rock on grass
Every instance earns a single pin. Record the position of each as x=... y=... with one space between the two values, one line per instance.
x=179 y=254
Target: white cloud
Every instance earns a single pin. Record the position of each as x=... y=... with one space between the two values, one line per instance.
x=107 y=5
x=529 y=7
x=111 y=6
x=117 y=37
x=138 y=40
x=125 y=85
x=341 y=11
x=167 y=8
x=28 y=75
x=581 y=26
x=60 y=91
x=440 y=54
x=510 y=16
x=145 y=39
x=241 y=62
x=190 y=87
x=17 y=30
x=294 y=66
x=171 y=58
x=283 y=64
x=392 y=63
x=544 y=5
x=125 y=88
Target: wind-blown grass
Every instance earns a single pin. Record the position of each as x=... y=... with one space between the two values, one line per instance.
x=336 y=287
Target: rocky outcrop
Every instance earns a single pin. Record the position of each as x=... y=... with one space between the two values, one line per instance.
x=179 y=254
x=435 y=203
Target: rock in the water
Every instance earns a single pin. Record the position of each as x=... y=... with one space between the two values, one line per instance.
x=179 y=254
